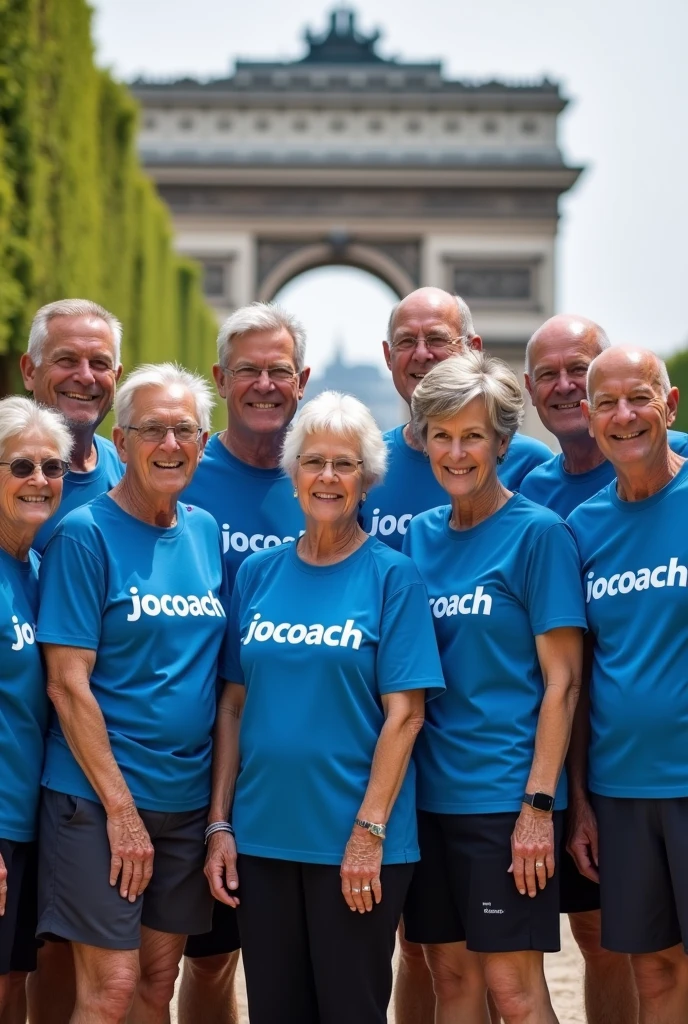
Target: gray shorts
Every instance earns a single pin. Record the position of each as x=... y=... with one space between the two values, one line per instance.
x=75 y=898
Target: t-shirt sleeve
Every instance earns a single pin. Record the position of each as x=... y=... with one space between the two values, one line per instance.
x=407 y=655
x=72 y=588
x=229 y=666
x=553 y=592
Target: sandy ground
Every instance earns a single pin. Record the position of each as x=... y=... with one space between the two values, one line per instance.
x=564 y=974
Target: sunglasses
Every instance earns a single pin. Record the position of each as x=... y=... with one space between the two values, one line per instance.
x=52 y=469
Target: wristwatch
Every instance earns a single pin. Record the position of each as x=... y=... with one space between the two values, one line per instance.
x=376 y=830
x=540 y=801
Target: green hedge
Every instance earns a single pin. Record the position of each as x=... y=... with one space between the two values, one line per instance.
x=78 y=216
x=677 y=366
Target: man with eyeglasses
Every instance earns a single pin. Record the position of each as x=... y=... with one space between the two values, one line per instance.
x=261 y=375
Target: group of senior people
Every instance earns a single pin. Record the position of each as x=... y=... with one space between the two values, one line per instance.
x=248 y=677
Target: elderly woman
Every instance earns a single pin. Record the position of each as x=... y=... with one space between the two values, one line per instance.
x=131 y=622
x=330 y=657
x=34 y=451
x=503 y=577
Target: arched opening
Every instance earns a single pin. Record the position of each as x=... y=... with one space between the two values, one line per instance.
x=345 y=312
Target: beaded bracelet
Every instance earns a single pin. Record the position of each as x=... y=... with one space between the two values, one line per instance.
x=217 y=826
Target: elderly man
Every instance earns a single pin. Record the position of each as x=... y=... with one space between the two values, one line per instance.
x=260 y=375
x=634 y=553
x=72 y=364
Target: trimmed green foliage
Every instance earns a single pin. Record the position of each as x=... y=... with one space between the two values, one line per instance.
x=677 y=366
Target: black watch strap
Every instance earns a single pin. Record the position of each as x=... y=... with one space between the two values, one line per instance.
x=539 y=801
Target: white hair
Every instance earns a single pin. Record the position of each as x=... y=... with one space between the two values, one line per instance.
x=162 y=375
x=465 y=319
x=661 y=377
x=18 y=416
x=40 y=325
x=261 y=316
x=344 y=417
x=455 y=382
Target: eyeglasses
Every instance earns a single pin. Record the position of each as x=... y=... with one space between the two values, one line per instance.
x=52 y=469
x=184 y=433
x=277 y=374
x=435 y=343
x=341 y=466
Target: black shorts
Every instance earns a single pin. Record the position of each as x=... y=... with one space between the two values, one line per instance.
x=578 y=894
x=75 y=898
x=222 y=938
x=643 y=877
x=462 y=891
x=18 y=943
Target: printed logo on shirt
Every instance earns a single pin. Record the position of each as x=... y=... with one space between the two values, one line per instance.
x=476 y=603
x=671 y=575
x=256 y=542
x=173 y=604
x=489 y=909
x=285 y=632
x=389 y=524
x=24 y=632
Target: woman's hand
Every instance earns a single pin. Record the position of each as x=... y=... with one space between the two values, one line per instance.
x=3 y=886
x=360 y=870
x=582 y=839
x=131 y=853
x=532 y=850
x=220 y=867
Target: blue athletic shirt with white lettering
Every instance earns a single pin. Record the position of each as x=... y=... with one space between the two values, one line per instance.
x=493 y=588
x=254 y=508
x=80 y=488
x=635 y=572
x=410 y=486
x=549 y=484
x=149 y=601
x=316 y=648
x=23 y=700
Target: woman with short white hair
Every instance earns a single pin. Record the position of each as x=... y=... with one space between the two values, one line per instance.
x=131 y=621
x=35 y=445
x=331 y=654
x=503 y=578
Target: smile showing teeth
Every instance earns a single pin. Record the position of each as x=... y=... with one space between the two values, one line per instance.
x=79 y=398
x=418 y=376
x=264 y=405
x=167 y=465
x=326 y=497
x=626 y=437
x=458 y=472
x=568 y=405
x=33 y=499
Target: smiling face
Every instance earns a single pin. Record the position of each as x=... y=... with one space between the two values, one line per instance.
x=28 y=503
x=261 y=406
x=629 y=414
x=77 y=372
x=325 y=495
x=559 y=357
x=463 y=450
x=160 y=467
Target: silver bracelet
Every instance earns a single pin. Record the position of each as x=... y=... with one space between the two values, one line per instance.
x=217 y=826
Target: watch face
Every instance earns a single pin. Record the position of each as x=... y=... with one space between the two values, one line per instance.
x=377 y=831
x=543 y=802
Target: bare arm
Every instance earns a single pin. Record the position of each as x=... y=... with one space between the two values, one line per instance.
x=404 y=715
x=220 y=865
x=560 y=653
x=83 y=725
x=582 y=837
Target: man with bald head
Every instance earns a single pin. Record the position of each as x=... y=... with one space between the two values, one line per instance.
x=429 y=325
x=634 y=552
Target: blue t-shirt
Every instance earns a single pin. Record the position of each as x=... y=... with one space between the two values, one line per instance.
x=549 y=484
x=410 y=486
x=316 y=647
x=78 y=488
x=23 y=700
x=254 y=508
x=149 y=600
x=493 y=589
x=635 y=572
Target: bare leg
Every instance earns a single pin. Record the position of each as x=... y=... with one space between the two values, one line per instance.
x=159 y=958
x=459 y=984
x=414 y=997
x=207 y=990
x=662 y=981
x=610 y=993
x=14 y=1011
x=105 y=984
x=51 y=989
x=518 y=986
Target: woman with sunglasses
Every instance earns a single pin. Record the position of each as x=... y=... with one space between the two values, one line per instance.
x=34 y=448
x=132 y=620
x=331 y=653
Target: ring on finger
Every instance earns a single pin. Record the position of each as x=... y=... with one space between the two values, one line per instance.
x=539 y=864
x=366 y=888
x=355 y=890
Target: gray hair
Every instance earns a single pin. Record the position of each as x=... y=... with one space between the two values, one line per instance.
x=455 y=382
x=161 y=375
x=661 y=377
x=20 y=415
x=465 y=319
x=345 y=417
x=40 y=325
x=261 y=316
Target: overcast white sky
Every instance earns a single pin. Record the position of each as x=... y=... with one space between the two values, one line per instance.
x=623 y=254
